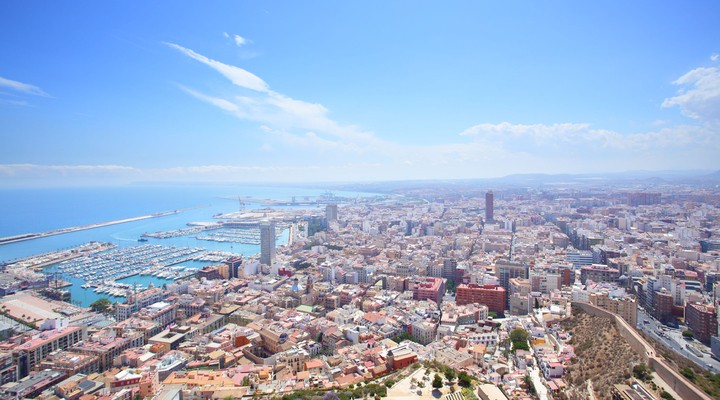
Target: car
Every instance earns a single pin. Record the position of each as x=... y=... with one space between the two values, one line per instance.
x=646 y=321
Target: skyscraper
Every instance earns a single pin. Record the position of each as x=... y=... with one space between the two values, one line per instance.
x=489 y=205
x=267 y=243
x=331 y=212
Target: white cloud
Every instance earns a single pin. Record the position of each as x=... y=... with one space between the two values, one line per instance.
x=282 y=113
x=236 y=75
x=485 y=149
x=22 y=87
x=582 y=138
x=239 y=40
x=715 y=57
x=699 y=94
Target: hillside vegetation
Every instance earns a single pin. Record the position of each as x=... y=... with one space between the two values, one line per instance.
x=602 y=356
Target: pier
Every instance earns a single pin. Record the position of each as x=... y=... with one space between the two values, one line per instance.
x=31 y=236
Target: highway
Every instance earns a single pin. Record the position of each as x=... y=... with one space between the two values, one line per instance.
x=672 y=338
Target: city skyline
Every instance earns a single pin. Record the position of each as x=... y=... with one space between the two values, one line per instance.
x=324 y=92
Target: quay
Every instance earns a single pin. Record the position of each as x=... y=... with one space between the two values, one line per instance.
x=31 y=236
x=37 y=262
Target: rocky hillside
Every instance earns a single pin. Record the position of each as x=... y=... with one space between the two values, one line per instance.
x=603 y=357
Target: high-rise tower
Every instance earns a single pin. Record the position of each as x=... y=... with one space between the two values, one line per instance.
x=267 y=243
x=331 y=212
x=489 y=205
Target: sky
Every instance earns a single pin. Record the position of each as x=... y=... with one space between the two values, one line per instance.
x=111 y=93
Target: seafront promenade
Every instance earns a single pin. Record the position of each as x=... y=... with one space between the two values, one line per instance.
x=31 y=236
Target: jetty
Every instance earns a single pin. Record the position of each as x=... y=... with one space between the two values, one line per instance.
x=61 y=231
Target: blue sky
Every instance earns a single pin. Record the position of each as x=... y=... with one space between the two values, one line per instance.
x=118 y=92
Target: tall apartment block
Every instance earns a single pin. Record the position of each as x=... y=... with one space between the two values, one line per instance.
x=331 y=212
x=506 y=270
x=643 y=199
x=489 y=210
x=267 y=243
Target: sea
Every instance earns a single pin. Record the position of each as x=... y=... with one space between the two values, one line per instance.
x=32 y=210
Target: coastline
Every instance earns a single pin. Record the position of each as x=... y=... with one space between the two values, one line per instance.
x=31 y=236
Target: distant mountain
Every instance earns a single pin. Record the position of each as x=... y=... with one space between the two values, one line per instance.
x=640 y=178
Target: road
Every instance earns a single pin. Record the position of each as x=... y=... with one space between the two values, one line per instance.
x=540 y=389
x=672 y=338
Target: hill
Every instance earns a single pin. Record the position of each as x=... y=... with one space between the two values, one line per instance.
x=603 y=357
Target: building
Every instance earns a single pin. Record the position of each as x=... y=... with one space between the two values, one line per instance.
x=709 y=245
x=31 y=386
x=579 y=258
x=598 y=273
x=625 y=307
x=331 y=212
x=168 y=340
x=662 y=305
x=106 y=345
x=8 y=371
x=701 y=320
x=519 y=296
x=643 y=199
x=267 y=243
x=138 y=301
x=234 y=265
x=429 y=289
x=488 y=391
x=493 y=296
x=449 y=269
x=161 y=312
x=71 y=363
x=423 y=331
x=27 y=355
x=400 y=357
x=506 y=270
x=489 y=206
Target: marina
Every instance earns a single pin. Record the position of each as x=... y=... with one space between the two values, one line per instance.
x=234 y=231
x=102 y=271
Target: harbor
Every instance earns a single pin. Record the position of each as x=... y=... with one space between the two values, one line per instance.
x=101 y=270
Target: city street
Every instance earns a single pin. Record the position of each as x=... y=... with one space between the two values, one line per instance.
x=673 y=339
x=537 y=381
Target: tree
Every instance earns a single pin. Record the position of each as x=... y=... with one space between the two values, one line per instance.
x=101 y=305
x=437 y=382
x=450 y=374
x=688 y=334
x=450 y=286
x=642 y=372
x=519 y=338
x=688 y=373
x=537 y=303
x=389 y=383
x=464 y=379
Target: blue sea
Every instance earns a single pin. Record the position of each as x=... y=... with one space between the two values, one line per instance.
x=38 y=210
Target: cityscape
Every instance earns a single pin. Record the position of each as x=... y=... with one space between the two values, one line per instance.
x=594 y=291
x=328 y=200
